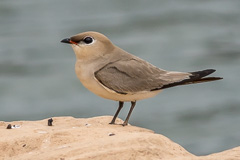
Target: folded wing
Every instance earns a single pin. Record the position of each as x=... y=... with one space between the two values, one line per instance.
x=135 y=75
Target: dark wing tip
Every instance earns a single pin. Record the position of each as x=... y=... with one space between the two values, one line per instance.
x=218 y=78
x=196 y=77
x=203 y=73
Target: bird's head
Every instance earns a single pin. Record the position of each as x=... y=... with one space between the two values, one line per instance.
x=90 y=45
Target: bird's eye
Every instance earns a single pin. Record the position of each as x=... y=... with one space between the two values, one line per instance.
x=88 y=40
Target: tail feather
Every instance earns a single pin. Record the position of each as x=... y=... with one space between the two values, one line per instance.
x=200 y=74
x=196 y=77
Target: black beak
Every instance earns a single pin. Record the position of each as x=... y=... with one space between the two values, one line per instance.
x=66 y=40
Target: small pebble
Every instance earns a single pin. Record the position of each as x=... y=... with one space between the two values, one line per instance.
x=50 y=121
x=87 y=124
x=9 y=126
x=16 y=126
x=111 y=134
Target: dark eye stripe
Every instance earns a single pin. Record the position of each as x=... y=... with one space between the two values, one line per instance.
x=75 y=39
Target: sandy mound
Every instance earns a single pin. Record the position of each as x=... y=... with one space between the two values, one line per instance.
x=93 y=138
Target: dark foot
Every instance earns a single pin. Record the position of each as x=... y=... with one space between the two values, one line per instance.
x=124 y=124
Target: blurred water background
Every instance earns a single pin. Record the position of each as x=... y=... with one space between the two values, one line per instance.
x=37 y=78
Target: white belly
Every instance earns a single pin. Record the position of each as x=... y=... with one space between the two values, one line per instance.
x=86 y=76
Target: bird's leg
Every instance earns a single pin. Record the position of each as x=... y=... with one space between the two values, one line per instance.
x=129 y=113
x=116 y=114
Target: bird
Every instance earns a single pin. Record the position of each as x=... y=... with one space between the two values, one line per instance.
x=112 y=73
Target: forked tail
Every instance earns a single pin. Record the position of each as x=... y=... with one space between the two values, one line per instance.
x=196 y=77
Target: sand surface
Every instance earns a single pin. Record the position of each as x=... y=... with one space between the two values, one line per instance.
x=93 y=138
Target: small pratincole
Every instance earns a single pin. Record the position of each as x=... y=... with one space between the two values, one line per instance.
x=112 y=73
